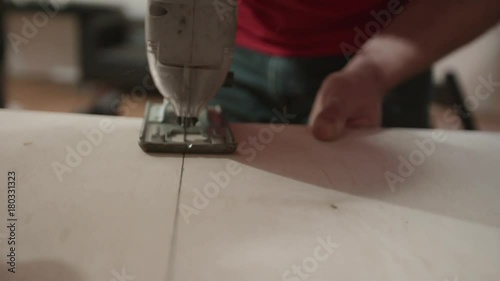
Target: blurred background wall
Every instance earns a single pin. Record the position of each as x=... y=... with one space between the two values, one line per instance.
x=479 y=58
x=53 y=55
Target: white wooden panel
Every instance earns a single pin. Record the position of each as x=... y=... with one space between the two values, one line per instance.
x=111 y=218
x=442 y=223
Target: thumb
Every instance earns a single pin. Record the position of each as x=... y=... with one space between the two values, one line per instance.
x=330 y=123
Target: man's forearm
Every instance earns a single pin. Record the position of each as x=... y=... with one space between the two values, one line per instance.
x=424 y=32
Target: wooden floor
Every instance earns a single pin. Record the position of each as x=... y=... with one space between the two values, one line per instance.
x=48 y=96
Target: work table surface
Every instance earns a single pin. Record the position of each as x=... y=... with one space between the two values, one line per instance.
x=383 y=205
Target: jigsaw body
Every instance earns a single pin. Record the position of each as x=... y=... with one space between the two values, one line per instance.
x=189 y=50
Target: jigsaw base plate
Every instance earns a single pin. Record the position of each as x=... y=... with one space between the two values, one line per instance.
x=161 y=132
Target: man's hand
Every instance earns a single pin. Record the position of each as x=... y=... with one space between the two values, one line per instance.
x=426 y=31
x=347 y=99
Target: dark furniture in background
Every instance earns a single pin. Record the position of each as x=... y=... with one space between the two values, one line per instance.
x=114 y=54
x=112 y=50
x=449 y=93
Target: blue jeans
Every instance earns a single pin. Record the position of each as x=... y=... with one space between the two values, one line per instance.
x=265 y=83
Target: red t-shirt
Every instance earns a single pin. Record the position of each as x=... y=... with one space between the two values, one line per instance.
x=311 y=27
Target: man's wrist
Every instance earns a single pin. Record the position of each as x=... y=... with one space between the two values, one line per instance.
x=364 y=70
